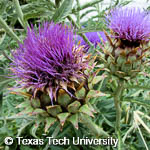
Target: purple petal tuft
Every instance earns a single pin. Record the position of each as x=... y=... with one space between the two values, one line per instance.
x=130 y=24
x=47 y=56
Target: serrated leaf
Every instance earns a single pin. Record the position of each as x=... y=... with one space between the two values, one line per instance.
x=74 y=120
x=35 y=127
x=22 y=128
x=28 y=111
x=4 y=82
x=138 y=101
x=137 y=93
x=86 y=110
x=49 y=122
x=94 y=128
x=23 y=105
x=62 y=117
x=108 y=122
x=63 y=11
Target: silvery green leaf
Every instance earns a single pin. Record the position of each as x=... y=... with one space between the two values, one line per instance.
x=63 y=11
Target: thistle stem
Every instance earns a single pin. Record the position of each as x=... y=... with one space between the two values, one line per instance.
x=117 y=98
x=93 y=128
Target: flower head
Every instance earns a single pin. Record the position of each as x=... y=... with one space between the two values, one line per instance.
x=127 y=45
x=93 y=37
x=131 y=24
x=48 y=60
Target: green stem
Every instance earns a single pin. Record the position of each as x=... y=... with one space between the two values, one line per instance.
x=81 y=34
x=4 y=25
x=117 y=98
x=93 y=128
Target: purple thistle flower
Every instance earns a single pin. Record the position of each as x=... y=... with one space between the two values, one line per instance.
x=93 y=37
x=127 y=45
x=48 y=58
x=131 y=24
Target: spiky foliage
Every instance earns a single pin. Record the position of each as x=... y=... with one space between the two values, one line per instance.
x=55 y=73
x=127 y=45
